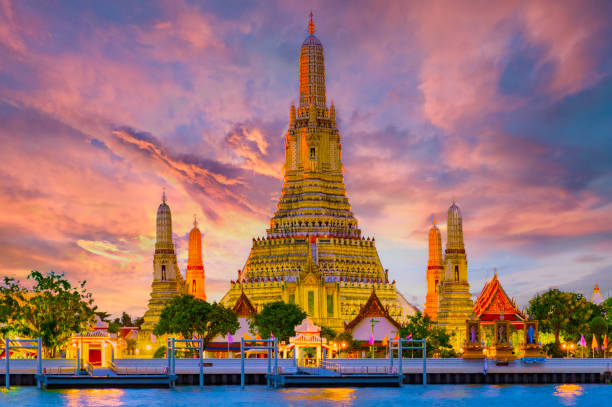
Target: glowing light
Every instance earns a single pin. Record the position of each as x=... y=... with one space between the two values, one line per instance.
x=148 y=347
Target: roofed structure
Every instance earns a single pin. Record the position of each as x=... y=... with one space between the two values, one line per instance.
x=493 y=302
x=372 y=308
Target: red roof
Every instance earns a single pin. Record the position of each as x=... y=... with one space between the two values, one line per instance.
x=372 y=308
x=244 y=307
x=493 y=300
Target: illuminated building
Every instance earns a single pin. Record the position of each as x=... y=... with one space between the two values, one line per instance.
x=194 y=276
x=455 y=303
x=313 y=254
x=435 y=270
x=167 y=279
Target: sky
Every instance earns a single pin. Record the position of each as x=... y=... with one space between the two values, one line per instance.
x=504 y=107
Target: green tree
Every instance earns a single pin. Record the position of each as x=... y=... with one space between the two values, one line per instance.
x=328 y=333
x=53 y=310
x=278 y=318
x=190 y=316
x=421 y=326
x=563 y=313
x=126 y=320
x=599 y=328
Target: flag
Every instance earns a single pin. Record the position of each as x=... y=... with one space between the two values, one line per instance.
x=594 y=344
x=396 y=337
x=257 y=336
x=195 y=336
x=582 y=341
x=605 y=341
x=153 y=339
x=385 y=340
x=409 y=337
x=229 y=338
x=371 y=341
x=246 y=336
x=271 y=335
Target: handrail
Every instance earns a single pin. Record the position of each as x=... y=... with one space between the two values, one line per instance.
x=89 y=369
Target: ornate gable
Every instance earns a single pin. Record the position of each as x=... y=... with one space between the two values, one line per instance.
x=493 y=301
x=372 y=308
x=244 y=307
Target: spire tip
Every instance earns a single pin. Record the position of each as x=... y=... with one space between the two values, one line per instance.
x=311 y=26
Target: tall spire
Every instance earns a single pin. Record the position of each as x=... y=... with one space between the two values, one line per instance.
x=312 y=72
x=164 y=195
x=163 y=239
x=195 y=266
x=311 y=26
x=454 y=241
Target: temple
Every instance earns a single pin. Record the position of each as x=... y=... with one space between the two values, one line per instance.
x=195 y=267
x=596 y=297
x=167 y=279
x=313 y=254
x=455 y=303
x=493 y=304
x=435 y=270
x=373 y=322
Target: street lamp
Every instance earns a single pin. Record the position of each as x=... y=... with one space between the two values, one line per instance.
x=564 y=347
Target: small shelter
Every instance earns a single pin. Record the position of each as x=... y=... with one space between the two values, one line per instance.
x=97 y=346
x=307 y=335
x=244 y=309
x=493 y=304
x=373 y=322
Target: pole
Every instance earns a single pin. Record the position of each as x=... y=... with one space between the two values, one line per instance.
x=269 y=364
x=424 y=362
x=275 y=362
x=201 y=362
x=390 y=355
x=242 y=362
x=38 y=382
x=168 y=355
x=173 y=363
x=399 y=355
x=7 y=355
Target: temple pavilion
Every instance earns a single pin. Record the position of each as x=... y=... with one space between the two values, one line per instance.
x=493 y=304
x=313 y=253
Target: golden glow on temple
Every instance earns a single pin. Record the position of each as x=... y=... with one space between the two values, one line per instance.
x=455 y=303
x=435 y=271
x=195 y=267
x=313 y=254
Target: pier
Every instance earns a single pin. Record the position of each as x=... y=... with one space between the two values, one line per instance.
x=439 y=371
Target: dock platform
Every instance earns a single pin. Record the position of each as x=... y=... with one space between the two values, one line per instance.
x=352 y=380
x=100 y=382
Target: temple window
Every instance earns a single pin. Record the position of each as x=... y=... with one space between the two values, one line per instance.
x=311 y=303
x=163 y=272
x=330 y=305
x=312 y=153
x=193 y=286
x=456 y=273
x=436 y=288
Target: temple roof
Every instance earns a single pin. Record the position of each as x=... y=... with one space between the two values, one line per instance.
x=244 y=307
x=372 y=308
x=597 y=298
x=493 y=300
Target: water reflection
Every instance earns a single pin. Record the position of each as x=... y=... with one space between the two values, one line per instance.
x=568 y=393
x=92 y=397
x=334 y=396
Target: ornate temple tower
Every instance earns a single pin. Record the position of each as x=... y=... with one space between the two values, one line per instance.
x=435 y=271
x=167 y=279
x=195 y=267
x=313 y=254
x=455 y=303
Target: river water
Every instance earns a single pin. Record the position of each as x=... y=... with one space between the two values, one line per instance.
x=413 y=396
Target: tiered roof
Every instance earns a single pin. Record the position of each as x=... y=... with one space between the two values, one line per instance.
x=493 y=301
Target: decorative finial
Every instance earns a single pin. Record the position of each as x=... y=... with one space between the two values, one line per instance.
x=495 y=271
x=433 y=220
x=164 y=195
x=195 y=221
x=311 y=26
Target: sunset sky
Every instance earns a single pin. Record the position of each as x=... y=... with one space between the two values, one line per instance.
x=505 y=107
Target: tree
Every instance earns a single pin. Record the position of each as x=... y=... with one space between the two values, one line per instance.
x=421 y=326
x=53 y=310
x=328 y=333
x=126 y=320
x=599 y=328
x=562 y=313
x=278 y=318
x=190 y=316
